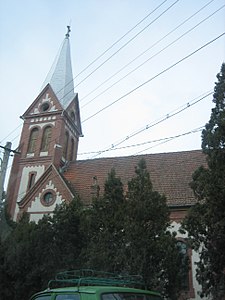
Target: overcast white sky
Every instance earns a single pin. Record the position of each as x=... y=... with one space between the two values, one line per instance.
x=31 y=32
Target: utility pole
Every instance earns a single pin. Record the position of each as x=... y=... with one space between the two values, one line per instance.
x=4 y=227
x=3 y=169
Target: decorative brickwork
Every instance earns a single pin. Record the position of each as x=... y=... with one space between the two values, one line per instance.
x=42 y=143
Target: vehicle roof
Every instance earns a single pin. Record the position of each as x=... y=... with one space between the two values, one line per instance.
x=98 y=290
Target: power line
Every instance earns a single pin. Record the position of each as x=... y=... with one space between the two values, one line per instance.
x=157 y=42
x=160 y=51
x=162 y=140
x=154 y=77
x=166 y=140
x=143 y=53
x=164 y=118
x=127 y=43
x=104 y=52
x=140 y=54
x=148 y=142
x=135 y=58
x=9 y=149
x=123 y=36
x=119 y=48
x=188 y=105
x=115 y=44
x=11 y=133
x=122 y=46
x=177 y=39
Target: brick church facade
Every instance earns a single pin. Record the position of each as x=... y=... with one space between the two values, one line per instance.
x=47 y=173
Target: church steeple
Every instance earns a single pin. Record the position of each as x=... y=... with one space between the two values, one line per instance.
x=60 y=76
x=49 y=142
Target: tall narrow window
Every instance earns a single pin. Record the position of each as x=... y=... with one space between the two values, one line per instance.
x=182 y=246
x=72 y=116
x=71 y=150
x=31 y=180
x=33 y=140
x=66 y=141
x=46 y=138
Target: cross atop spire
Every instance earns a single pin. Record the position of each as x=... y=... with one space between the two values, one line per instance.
x=60 y=76
x=68 y=32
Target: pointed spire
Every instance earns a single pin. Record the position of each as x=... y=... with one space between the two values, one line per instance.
x=60 y=76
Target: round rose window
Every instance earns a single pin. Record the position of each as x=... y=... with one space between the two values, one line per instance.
x=48 y=198
x=45 y=106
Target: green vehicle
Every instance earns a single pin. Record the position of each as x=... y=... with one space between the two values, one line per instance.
x=90 y=285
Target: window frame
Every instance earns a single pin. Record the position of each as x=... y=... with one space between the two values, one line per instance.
x=66 y=145
x=31 y=180
x=135 y=295
x=72 y=147
x=46 y=138
x=43 y=201
x=32 y=144
x=190 y=292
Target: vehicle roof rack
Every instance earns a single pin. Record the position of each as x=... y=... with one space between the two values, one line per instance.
x=88 y=277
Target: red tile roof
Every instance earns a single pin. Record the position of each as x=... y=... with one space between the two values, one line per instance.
x=170 y=174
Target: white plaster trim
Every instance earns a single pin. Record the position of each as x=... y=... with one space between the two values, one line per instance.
x=195 y=258
x=36 y=217
x=53 y=108
x=46 y=98
x=39 y=169
x=41 y=119
x=57 y=146
x=37 y=207
x=42 y=124
x=44 y=153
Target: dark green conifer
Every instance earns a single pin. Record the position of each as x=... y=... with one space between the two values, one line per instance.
x=206 y=221
x=151 y=249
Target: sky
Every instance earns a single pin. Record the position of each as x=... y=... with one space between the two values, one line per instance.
x=142 y=69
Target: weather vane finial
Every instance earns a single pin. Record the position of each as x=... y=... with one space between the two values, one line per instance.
x=68 y=32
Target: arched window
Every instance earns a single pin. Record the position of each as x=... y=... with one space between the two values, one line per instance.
x=46 y=138
x=71 y=150
x=66 y=141
x=33 y=140
x=183 y=249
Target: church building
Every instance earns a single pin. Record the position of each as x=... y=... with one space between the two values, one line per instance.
x=46 y=172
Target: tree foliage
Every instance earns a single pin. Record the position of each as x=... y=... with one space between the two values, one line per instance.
x=33 y=253
x=105 y=228
x=151 y=248
x=206 y=221
x=126 y=233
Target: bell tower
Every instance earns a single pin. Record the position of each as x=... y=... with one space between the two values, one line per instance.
x=50 y=133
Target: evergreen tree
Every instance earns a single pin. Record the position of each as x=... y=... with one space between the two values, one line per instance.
x=129 y=235
x=18 y=260
x=33 y=253
x=151 y=249
x=6 y=224
x=205 y=222
x=104 y=228
x=68 y=237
